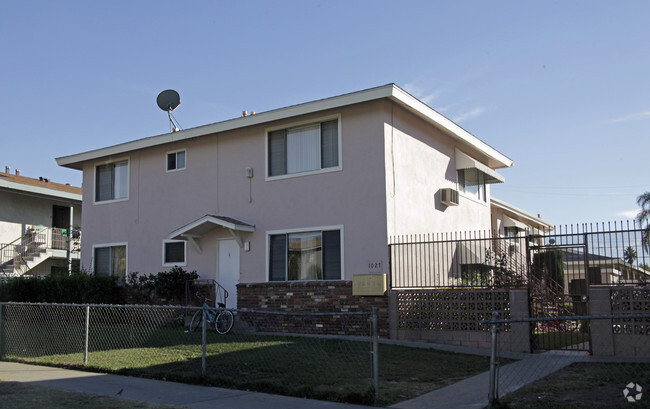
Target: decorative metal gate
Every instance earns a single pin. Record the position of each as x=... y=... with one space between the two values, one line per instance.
x=557 y=267
x=558 y=287
x=563 y=264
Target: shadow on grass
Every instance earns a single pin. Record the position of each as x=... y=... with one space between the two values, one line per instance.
x=309 y=367
x=314 y=367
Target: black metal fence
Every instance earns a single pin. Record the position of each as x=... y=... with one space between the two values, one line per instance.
x=565 y=260
x=453 y=260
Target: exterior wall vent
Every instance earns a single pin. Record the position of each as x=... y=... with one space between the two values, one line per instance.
x=449 y=197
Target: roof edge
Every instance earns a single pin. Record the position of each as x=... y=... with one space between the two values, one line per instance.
x=451 y=127
x=506 y=206
x=390 y=91
x=40 y=190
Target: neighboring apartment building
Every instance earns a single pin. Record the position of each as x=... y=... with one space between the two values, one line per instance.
x=509 y=221
x=37 y=218
x=306 y=193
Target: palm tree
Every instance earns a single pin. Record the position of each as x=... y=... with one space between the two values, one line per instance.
x=644 y=218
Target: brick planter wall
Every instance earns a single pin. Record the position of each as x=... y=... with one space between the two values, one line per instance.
x=313 y=297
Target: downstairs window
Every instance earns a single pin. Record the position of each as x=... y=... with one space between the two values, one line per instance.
x=311 y=255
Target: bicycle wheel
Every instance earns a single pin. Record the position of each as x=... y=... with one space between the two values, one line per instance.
x=224 y=322
x=197 y=320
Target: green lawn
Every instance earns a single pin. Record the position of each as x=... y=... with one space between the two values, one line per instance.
x=584 y=386
x=311 y=367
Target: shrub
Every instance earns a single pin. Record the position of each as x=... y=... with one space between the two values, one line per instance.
x=166 y=287
x=79 y=288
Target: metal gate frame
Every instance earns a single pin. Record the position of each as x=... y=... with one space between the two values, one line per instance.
x=547 y=298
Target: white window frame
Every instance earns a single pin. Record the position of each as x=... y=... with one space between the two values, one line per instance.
x=473 y=197
x=270 y=233
x=177 y=151
x=105 y=245
x=128 y=180
x=314 y=121
x=184 y=263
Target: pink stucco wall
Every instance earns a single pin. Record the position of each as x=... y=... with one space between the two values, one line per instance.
x=420 y=160
x=214 y=182
x=392 y=167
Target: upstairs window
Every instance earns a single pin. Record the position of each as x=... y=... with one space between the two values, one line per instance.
x=175 y=161
x=313 y=255
x=302 y=149
x=112 y=181
x=472 y=183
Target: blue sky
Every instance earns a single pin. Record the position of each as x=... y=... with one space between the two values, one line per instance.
x=560 y=87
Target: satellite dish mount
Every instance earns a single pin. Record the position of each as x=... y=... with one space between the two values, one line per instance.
x=169 y=100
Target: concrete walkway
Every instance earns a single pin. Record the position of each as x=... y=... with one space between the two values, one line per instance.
x=149 y=390
x=473 y=392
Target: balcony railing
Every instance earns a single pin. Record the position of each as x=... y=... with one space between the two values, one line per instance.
x=16 y=255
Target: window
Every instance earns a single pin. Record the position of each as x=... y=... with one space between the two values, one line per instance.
x=511 y=232
x=472 y=183
x=174 y=253
x=301 y=149
x=175 y=161
x=112 y=181
x=309 y=255
x=110 y=261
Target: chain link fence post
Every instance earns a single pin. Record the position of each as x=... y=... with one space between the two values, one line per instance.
x=86 y=334
x=494 y=330
x=2 y=331
x=204 y=336
x=375 y=352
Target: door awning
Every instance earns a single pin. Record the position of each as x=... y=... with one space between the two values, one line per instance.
x=207 y=223
x=510 y=222
x=464 y=161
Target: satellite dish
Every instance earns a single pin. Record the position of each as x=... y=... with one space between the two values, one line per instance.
x=168 y=101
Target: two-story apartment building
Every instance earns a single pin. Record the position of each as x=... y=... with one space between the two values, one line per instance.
x=307 y=193
x=37 y=219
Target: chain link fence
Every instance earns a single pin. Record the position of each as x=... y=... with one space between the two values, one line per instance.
x=325 y=356
x=579 y=361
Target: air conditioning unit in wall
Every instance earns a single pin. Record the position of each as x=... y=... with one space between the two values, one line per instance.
x=449 y=197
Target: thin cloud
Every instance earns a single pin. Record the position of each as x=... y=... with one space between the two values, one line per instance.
x=421 y=93
x=628 y=214
x=639 y=116
x=469 y=114
x=427 y=99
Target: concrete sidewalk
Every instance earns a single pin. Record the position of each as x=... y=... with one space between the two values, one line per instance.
x=149 y=390
x=472 y=393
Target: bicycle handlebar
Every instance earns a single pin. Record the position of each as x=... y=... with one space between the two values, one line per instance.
x=205 y=299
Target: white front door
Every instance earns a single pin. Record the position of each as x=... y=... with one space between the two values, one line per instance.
x=228 y=269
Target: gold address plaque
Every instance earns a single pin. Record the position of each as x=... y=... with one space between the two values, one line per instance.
x=369 y=284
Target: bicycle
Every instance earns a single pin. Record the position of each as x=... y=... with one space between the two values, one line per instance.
x=222 y=319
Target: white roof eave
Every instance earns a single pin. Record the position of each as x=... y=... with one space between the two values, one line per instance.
x=497 y=159
x=524 y=215
x=40 y=191
x=210 y=222
x=391 y=91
